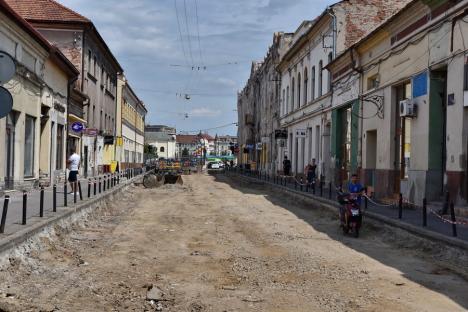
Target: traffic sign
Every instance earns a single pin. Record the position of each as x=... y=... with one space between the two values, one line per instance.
x=7 y=67
x=77 y=126
x=6 y=102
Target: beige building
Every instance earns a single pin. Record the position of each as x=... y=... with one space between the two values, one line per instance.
x=407 y=83
x=130 y=131
x=33 y=135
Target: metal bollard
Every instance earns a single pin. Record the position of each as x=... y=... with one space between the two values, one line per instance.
x=400 y=206
x=118 y=177
x=89 y=188
x=25 y=207
x=104 y=184
x=95 y=186
x=366 y=201
x=313 y=186
x=79 y=190
x=302 y=182
x=54 y=198
x=100 y=185
x=74 y=192
x=4 y=213
x=41 y=203
x=108 y=182
x=330 y=190
x=424 y=212
x=65 y=195
x=454 y=220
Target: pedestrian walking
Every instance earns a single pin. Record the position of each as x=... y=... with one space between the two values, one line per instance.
x=311 y=172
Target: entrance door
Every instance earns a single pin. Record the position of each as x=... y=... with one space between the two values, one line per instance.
x=10 y=151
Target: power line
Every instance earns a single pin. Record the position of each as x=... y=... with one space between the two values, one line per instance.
x=180 y=32
x=214 y=128
x=188 y=32
x=198 y=32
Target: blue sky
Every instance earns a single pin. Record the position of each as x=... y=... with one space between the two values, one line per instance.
x=144 y=36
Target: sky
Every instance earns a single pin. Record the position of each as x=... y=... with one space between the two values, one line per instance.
x=222 y=37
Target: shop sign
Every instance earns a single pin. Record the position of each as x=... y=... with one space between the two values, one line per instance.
x=90 y=131
x=77 y=127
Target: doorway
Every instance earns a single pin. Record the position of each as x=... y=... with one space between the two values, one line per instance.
x=371 y=156
x=402 y=138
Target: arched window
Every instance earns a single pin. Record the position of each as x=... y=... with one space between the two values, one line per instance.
x=306 y=83
x=320 y=82
x=293 y=83
x=312 y=85
x=287 y=100
x=330 y=58
x=299 y=90
x=161 y=149
x=283 y=102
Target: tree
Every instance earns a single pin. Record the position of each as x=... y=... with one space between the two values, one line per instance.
x=185 y=152
x=151 y=151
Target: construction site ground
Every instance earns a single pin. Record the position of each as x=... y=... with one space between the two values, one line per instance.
x=216 y=244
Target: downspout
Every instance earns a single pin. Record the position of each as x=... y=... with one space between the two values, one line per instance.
x=334 y=28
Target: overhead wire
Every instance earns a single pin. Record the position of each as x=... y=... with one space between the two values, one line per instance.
x=180 y=32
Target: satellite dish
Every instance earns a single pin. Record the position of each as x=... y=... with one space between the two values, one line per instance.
x=6 y=102
x=7 y=67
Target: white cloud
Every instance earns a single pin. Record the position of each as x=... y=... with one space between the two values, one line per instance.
x=204 y=112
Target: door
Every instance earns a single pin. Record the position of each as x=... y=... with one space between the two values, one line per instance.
x=10 y=151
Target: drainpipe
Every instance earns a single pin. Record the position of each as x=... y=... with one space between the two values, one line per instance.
x=334 y=30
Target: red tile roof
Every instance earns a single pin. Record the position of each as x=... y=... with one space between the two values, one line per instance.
x=187 y=139
x=46 y=11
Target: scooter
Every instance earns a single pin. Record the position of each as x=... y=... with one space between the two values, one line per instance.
x=350 y=213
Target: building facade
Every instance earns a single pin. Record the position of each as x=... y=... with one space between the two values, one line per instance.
x=33 y=135
x=224 y=145
x=163 y=138
x=406 y=83
x=130 y=128
x=78 y=39
x=306 y=96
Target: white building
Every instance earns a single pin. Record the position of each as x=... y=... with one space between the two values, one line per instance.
x=163 y=138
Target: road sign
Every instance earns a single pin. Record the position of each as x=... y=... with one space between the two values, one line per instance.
x=77 y=127
x=7 y=67
x=6 y=102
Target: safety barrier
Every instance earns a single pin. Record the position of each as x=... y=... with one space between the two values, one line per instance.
x=105 y=182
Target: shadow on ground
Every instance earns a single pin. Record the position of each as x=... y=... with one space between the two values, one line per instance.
x=392 y=247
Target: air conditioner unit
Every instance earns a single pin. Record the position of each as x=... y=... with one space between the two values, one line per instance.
x=408 y=108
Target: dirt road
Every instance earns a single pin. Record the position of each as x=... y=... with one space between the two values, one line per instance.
x=214 y=246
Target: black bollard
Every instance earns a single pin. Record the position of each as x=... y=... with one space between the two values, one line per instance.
x=118 y=177
x=424 y=212
x=65 y=195
x=454 y=220
x=79 y=190
x=104 y=184
x=89 y=188
x=400 y=206
x=108 y=182
x=75 y=184
x=25 y=207
x=302 y=182
x=95 y=186
x=313 y=186
x=366 y=201
x=100 y=185
x=54 y=198
x=41 y=203
x=330 y=190
x=4 y=214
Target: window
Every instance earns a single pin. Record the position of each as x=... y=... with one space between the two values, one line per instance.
x=330 y=59
x=94 y=115
x=59 y=152
x=29 y=133
x=100 y=122
x=95 y=67
x=161 y=149
x=320 y=81
x=298 y=90
x=283 y=102
x=466 y=75
x=373 y=82
x=287 y=100
x=292 y=94
x=89 y=61
x=306 y=83
x=312 y=85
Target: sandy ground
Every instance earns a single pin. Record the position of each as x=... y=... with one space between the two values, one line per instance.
x=211 y=245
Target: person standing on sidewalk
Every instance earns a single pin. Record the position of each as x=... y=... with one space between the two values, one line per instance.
x=311 y=172
x=74 y=166
x=286 y=166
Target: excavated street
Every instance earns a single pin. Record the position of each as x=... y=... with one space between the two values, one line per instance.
x=218 y=245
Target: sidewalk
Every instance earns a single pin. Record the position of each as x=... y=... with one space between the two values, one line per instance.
x=412 y=216
x=13 y=221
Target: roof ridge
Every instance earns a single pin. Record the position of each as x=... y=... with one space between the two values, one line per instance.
x=69 y=10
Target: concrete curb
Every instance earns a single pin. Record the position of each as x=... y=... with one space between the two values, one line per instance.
x=333 y=206
x=14 y=240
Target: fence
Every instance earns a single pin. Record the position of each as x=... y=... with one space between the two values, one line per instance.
x=402 y=209
x=17 y=209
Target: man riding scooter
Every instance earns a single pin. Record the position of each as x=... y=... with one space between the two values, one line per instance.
x=350 y=211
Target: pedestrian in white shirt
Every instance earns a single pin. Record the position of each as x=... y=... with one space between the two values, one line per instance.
x=74 y=166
